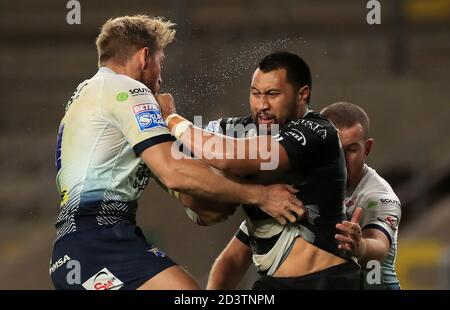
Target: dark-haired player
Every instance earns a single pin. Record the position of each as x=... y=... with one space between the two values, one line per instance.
x=306 y=153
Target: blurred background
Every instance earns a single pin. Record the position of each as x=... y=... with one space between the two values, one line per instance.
x=398 y=71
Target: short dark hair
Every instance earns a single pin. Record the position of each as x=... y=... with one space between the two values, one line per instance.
x=346 y=115
x=297 y=70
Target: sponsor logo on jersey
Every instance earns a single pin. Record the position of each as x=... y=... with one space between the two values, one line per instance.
x=58 y=263
x=142 y=177
x=157 y=252
x=139 y=92
x=315 y=127
x=297 y=135
x=148 y=116
x=390 y=201
x=103 y=280
x=123 y=96
x=372 y=204
x=348 y=202
x=391 y=220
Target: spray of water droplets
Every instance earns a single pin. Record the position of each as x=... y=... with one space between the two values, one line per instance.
x=199 y=90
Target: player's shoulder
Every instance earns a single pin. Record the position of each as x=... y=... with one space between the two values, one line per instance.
x=122 y=85
x=314 y=128
x=376 y=191
x=314 y=124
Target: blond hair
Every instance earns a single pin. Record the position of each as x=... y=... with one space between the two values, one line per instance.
x=121 y=37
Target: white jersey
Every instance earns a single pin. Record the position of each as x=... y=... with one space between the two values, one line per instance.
x=381 y=210
x=109 y=120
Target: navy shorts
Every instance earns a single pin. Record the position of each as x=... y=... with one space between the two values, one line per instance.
x=105 y=257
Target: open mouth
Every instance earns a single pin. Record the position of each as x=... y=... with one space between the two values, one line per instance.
x=264 y=119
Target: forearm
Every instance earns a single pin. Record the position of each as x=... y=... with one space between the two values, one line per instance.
x=372 y=249
x=241 y=156
x=189 y=177
x=222 y=152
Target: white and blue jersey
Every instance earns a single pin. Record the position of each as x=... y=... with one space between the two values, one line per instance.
x=110 y=119
x=382 y=211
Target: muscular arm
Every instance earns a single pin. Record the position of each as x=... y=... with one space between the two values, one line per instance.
x=240 y=156
x=230 y=266
x=196 y=178
x=376 y=246
x=208 y=211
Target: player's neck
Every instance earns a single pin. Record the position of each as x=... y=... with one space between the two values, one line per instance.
x=122 y=69
x=301 y=113
x=351 y=186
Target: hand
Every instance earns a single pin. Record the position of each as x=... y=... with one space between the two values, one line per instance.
x=350 y=238
x=166 y=104
x=280 y=202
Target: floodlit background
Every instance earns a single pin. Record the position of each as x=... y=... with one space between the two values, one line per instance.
x=397 y=71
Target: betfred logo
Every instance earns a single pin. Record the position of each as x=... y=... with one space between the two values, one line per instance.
x=147 y=116
x=103 y=280
x=144 y=107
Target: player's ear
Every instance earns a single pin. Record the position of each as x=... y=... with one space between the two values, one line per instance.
x=303 y=94
x=369 y=144
x=144 y=58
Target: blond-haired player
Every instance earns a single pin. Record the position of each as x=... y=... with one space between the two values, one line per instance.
x=111 y=141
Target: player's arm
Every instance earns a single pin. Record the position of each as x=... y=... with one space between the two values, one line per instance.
x=195 y=178
x=230 y=266
x=241 y=156
x=247 y=156
x=139 y=119
x=367 y=244
x=202 y=211
x=373 y=241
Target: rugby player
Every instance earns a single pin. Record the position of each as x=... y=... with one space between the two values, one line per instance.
x=111 y=134
x=300 y=255
x=375 y=236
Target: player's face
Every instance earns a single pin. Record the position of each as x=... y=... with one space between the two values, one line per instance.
x=151 y=75
x=272 y=98
x=356 y=149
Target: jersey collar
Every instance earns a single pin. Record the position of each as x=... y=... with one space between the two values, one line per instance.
x=105 y=70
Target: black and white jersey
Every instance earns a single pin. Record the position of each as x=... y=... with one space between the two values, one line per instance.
x=317 y=170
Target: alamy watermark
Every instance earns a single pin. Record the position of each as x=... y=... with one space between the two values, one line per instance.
x=373 y=17
x=373 y=276
x=73 y=17
x=209 y=147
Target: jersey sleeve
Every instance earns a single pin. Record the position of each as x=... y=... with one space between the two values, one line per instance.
x=382 y=212
x=242 y=234
x=132 y=108
x=305 y=146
